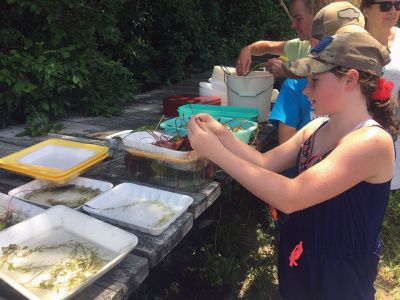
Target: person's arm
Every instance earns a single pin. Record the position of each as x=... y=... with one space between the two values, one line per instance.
x=267 y=47
x=365 y=155
x=285 y=132
x=278 y=159
x=243 y=62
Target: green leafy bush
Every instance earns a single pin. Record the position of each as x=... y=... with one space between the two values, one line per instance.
x=90 y=56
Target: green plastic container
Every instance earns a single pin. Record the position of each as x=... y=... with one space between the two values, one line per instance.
x=178 y=125
x=233 y=112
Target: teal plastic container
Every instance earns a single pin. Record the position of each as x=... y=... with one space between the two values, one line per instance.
x=241 y=128
x=233 y=112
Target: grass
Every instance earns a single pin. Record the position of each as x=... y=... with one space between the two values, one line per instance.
x=230 y=254
x=226 y=255
x=388 y=281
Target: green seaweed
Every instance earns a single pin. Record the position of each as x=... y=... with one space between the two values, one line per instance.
x=82 y=262
x=85 y=194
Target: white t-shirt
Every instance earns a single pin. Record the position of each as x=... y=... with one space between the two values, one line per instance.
x=392 y=72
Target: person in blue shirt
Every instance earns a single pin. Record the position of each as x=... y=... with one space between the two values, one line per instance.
x=292 y=110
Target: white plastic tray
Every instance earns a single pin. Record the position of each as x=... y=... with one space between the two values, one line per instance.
x=58 y=157
x=29 y=187
x=142 y=141
x=20 y=210
x=139 y=207
x=59 y=225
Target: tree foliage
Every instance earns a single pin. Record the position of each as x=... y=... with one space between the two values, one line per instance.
x=90 y=56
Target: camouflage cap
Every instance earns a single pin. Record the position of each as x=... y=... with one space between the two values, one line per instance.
x=354 y=50
x=335 y=18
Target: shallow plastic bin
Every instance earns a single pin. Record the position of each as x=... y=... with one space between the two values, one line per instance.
x=171 y=103
x=247 y=113
x=241 y=128
x=187 y=174
x=139 y=207
x=55 y=160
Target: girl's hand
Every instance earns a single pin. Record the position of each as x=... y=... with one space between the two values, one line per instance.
x=213 y=125
x=201 y=138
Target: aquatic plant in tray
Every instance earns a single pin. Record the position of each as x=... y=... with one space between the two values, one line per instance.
x=53 y=255
x=13 y=211
x=79 y=263
x=139 y=207
x=69 y=195
x=72 y=194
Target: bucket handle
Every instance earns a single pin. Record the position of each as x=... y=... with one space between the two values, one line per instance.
x=225 y=70
x=247 y=95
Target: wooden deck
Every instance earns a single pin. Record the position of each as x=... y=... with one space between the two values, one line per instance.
x=120 y=282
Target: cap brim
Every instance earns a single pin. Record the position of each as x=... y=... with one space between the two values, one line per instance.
x=304 y=67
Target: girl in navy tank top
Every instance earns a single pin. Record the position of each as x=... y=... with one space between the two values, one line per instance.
x=329 y=244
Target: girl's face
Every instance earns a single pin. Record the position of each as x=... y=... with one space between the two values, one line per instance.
x=325 y=91
x=302 y=19
x=377 y=18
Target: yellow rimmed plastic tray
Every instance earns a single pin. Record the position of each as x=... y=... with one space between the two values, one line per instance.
x=55 y=160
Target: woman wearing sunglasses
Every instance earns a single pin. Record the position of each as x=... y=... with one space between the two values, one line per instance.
x=381 y=18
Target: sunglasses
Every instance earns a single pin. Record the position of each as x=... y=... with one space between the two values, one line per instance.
x=385 y=6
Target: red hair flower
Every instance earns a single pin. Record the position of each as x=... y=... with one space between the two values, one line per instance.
x=383 y=90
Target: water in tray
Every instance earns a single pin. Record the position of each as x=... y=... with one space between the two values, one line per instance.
x=54 y=264
x=147 y=213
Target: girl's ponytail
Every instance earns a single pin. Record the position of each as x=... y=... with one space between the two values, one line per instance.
x=381 y=105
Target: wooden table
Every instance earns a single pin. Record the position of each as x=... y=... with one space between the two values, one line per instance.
x=120 y=282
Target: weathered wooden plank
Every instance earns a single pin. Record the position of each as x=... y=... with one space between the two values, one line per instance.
x=143 y=107
x=127 y=276
x=146 y=114
x=8 y=135
x=96 y=141
x=91 y=292
x=154 y=96
x=9 y=293
x=13 y=180
x=98 y=128
x=185 y=90
x=7 y=148
x=204 y=198
x=155 y=248
x=97 y=292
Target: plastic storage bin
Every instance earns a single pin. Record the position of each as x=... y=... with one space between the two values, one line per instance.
x=189 y=110
x=187 y=174
x=179 y=170
x=241 y=128
x=171 y=103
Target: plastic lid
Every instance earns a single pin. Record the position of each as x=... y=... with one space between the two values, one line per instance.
x=55 y=160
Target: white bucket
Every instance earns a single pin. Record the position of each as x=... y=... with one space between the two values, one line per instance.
x=253 y=90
